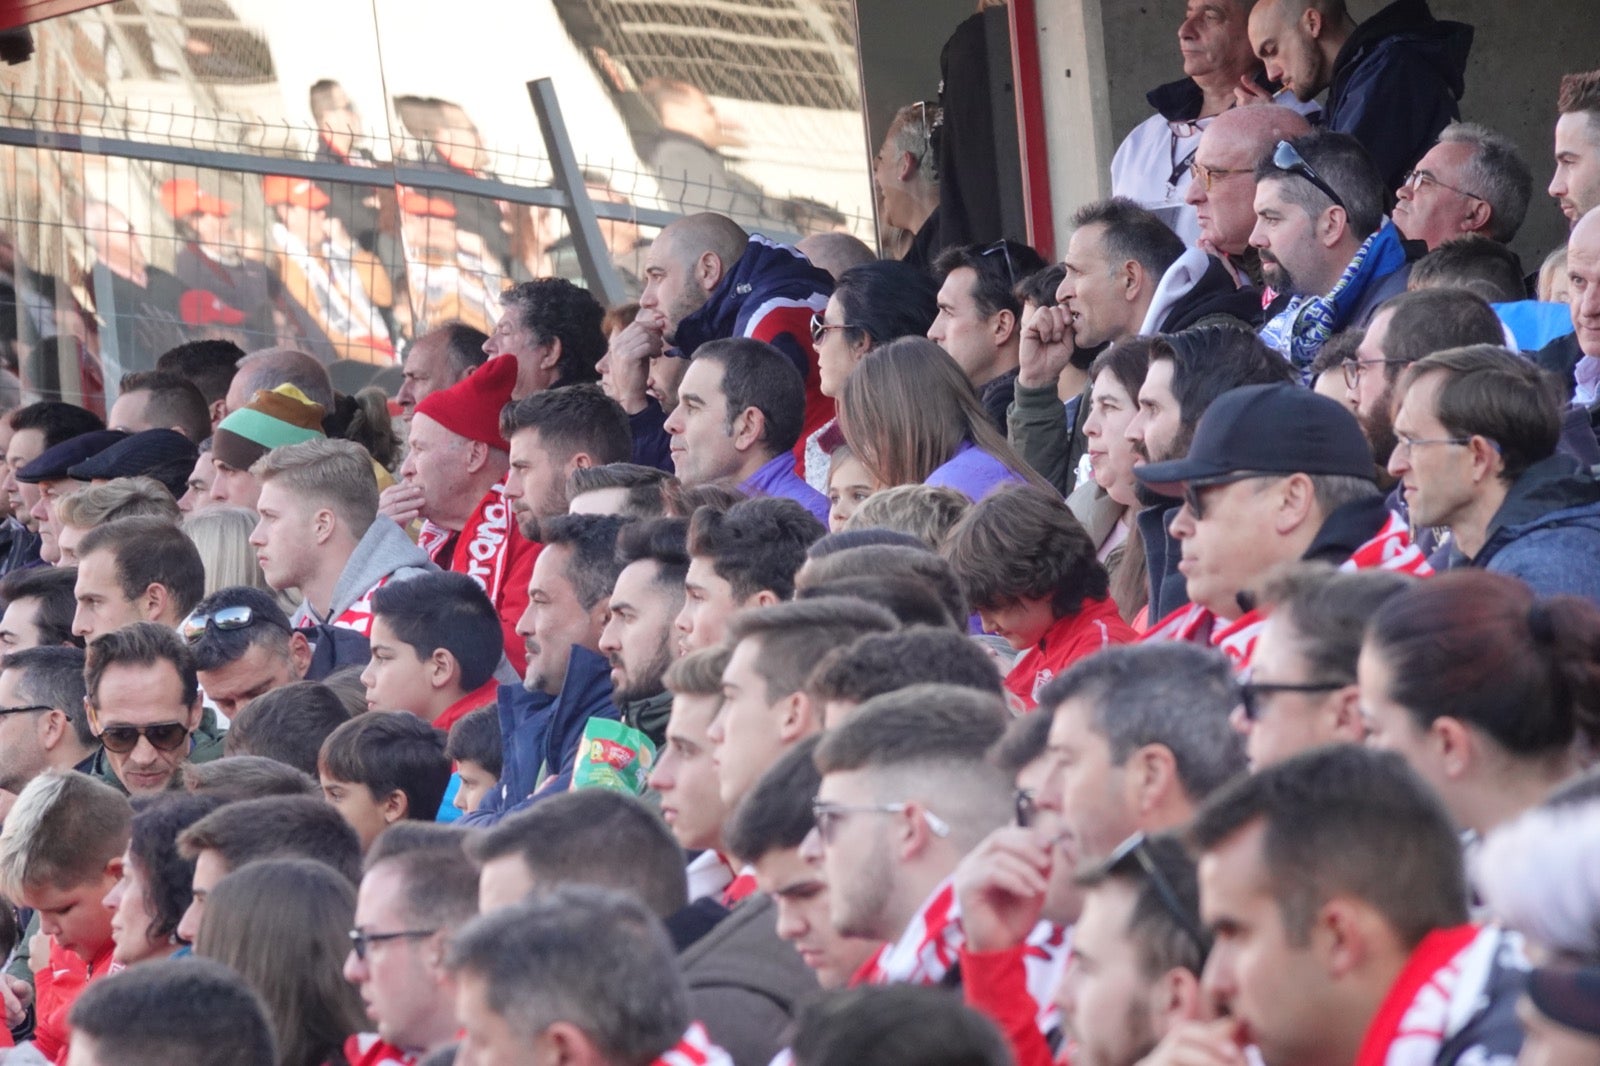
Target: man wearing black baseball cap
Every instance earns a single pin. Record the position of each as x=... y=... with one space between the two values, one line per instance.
x=1276 y=473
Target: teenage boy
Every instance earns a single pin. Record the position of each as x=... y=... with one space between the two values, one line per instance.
x=60 y=853
x=474 y=748
x=434 y=648
x=1030 y=571
x=379 y=769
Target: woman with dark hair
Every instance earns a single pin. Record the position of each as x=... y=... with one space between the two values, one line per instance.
x=872 y=304
x=157 y=881
x=283 y=925
x=1106 y=503
x=1492 y=695
x=911 y=417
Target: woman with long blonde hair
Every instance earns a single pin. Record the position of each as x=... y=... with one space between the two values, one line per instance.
x=222 y=537
x=912 y=418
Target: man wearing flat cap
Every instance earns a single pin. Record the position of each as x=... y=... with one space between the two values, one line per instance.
x=51 y=474
x=1276 y=473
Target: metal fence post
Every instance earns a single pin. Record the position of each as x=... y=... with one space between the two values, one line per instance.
x=593 y=256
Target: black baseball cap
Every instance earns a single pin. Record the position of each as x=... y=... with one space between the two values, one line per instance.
x=1268 y=429
x=1568 y=995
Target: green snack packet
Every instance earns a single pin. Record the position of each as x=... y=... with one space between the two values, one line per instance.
x=615 y=756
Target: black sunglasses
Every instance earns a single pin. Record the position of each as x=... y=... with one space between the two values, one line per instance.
x=360 y=941
x=223 y=619
x=1250 y=693
x=1287 y=158
x=1137 y=848
x=164 y=736
x=1004 y=249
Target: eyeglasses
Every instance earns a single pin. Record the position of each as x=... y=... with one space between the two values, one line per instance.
x=1405 y=443
x=164 y=736
x=1196 y=503
x=1137 y=848
x=24 y=710
x=931 y=115
x=1416 y=179
x=360 y=941
x=1250 y=693
x=1287 y=158
x=819 y=328
x=1353 y=369
x=1001 y=247
x=1026 y=802
x=223 y=619
x=827 y=816
x=1205 y=176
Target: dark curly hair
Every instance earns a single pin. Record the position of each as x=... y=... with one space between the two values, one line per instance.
x=168 y=876
x=556 y=309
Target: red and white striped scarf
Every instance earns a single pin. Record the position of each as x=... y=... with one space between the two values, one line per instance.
x=1389 y=549
x=358 y=616
x=695 y=1049
x=926 y=950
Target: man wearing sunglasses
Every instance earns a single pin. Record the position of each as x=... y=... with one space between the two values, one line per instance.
x=1323 y=241
x=144 y=705
x=1275 y=473
x=1393 y=81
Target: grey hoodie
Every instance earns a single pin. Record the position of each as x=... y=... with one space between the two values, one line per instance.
x=383 y=551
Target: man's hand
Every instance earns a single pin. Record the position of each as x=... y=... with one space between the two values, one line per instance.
x=1001 y=885
x=1213 y=1043
x=402 y=502
x=18 y=997
x=1047 y=348
x=629 y=359
x=1247 y=92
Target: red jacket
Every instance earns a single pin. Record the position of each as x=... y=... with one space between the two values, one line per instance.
x=56 y=987
x=1094 y=628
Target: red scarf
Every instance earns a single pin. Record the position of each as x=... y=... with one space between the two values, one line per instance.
x=358 y=616
x=369 y=1049
x=1412 y=1021
x=927 y=949
x=695 y=1049
x=741 y=888
x=485 y=542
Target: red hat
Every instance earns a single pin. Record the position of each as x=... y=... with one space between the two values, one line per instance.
x=413 y=202
x=300 y=192
x=471 y=407
x=182 y=197
x=201 y=308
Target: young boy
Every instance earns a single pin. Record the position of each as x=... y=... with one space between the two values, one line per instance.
x=1029 y=570
x=381 y=768
x=474 y=747
x=60 y=853
x=435 y=645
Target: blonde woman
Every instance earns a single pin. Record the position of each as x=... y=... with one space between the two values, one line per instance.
x=222 y=536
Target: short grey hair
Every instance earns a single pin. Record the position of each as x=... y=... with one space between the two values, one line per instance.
x=1497 y=172
x=1173 y=694
x=911 y=131
x=587 y=956
x=1538 y=873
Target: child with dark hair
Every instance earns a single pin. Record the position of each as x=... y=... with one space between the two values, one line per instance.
x=381 y=768
x=474 y=747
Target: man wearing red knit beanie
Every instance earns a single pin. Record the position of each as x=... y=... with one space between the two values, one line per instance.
x=457 y=466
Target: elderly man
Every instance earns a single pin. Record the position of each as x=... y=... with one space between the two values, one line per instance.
x=1472 y=181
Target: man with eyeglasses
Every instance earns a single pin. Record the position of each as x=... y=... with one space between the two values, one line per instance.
x=905 y=175
x=143 y=699
x=1324 y=241
x=1472 y=181
x=1393 y=81
x=1333 y=887
x=407 y=908
x=1275 y=473
x=980 y=316
x=243 y=647
x=1478 y=430
x=1138 y=952
x=905 y=794
x=43 y=724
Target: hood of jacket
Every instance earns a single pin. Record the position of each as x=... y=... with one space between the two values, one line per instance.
x=1196 y=287
x=766 y=271
x=1557 y=491
x=541 y=731
x=1407 y=25
x=384 y=550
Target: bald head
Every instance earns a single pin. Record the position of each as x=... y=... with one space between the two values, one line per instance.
x=1583 y=267
x=835 y=252
x=694 y=236
x=1229 y=150
x=271 y=367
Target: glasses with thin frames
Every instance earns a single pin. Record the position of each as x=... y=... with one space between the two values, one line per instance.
x=1354 y=368
x=163 y=736
x=827 y=816
x=1137 y=848
x=1405 y=443
x=1250 y=693
x=1288 y=159
x=360 y=940
x=1205 y=176
x=1416 y=179
x=24 y=710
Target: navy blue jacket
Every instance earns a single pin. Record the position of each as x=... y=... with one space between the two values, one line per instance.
x=765 y=272
x=1547 y=532
x=1396 y=84
x=542 y=732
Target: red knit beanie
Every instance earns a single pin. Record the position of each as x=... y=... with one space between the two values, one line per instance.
x=471 y=407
